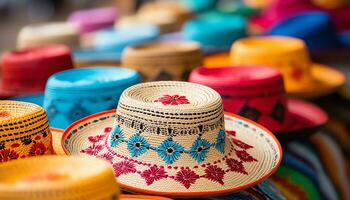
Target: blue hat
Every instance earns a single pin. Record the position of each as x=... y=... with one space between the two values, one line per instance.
x=315 y=28
x=73 y=94
x=215 y=32
x=109 y=44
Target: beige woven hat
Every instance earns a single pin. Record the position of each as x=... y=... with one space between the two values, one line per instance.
x=163 y=60
x=58 y=178
x=173 y=139
x=24 y=131
x=48 y=33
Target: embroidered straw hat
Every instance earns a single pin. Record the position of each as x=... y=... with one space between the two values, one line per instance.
x=36 y=35
x=173 y=139
x=25 y=72
x=163 y=60
x=24 y=131
x=58 y=178
x=257 y=93
x=289 y=55
x=73 y=94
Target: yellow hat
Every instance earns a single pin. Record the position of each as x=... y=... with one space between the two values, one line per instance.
x=290 y=56
x=24 y=131
x=58 y=178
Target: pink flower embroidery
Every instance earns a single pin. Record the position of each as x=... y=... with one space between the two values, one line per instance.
x=7 y=154
x=233 y=133
x=173 y=100
x=153 y=174
x=108 y=129
x=106 y=156
x=215 y=173
x=97 y=138
x=186 y=177
x=241 y=144
x=236 y=166
x=37 y=149
x=124 y=167
x=92 y=150
x=244 y=156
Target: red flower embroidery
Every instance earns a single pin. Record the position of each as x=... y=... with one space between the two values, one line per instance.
x=244 y=156
x=108 y=129
x=153 y=174
x=186 y=177
x=124 y=167
x=297 y=73
x=215 y=174
x=236 y=166
x=37 y=149
x=107 y=156
x=241 y=144
x=7 y=154
x=97 y=138
x=233 y=133
x=173 y=100
x=15 y=145
x=92 y=150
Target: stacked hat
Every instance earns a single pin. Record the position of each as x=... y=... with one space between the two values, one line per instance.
x=48 y=33
x=290 y=56
x=107 y=45
x=173 y=139
x=90 y=20
x=73 y=94
x=24 y=131
x=58 y=178
x=215 y=33
x=26 y=71
x=163 y=60
x=258 y=93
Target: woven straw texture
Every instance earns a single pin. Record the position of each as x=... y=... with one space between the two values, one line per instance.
x=163 y=60
x=170 y=138
x=141 y=197
x=48 y=33
x=24 y=131
x=57 y=178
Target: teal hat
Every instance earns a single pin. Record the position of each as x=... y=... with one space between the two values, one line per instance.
x=199 y=5
x=215 y=32
x=73 y=94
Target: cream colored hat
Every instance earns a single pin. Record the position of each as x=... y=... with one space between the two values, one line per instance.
x=58 y=178
x=163 y=60
x=173 y=139
x=48 y=33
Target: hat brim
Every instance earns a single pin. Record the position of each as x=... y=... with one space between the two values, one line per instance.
x=56 y=141
x=325 y=80
x=262 y=146
x=141 y=197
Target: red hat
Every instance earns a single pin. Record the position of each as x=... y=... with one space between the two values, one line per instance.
x=258 y=93
x=26 y=71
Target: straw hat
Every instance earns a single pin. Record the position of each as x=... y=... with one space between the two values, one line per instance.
x=173 y=139
x=24 y=131
x=163 y=60
x=90 y=20
x=36 y=35
x=58 y=178
x=73 y=94
x=25 y=72
x=141 y=197
x=289 y=55
x=257 y=93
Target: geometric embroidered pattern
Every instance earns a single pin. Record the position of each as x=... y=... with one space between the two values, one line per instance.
x=169 y=150
x=278 y=112
x=249 y=112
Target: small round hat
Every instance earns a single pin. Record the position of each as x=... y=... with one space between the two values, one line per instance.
x=163 y=60
x=73 y=94
x=173 y=138
x=36 y=35
x=58 y=178
x=24 y=131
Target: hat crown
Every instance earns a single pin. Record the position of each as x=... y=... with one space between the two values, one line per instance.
x=169 y=121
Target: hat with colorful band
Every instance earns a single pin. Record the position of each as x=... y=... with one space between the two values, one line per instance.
x=58 y=178
x=73 y=94
x=163 y=60
x=19 y=67
x=24 y=131
x=90 y=20
x=257 y=93
x=37 y=35
x=173 y=139
x=290 y=56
